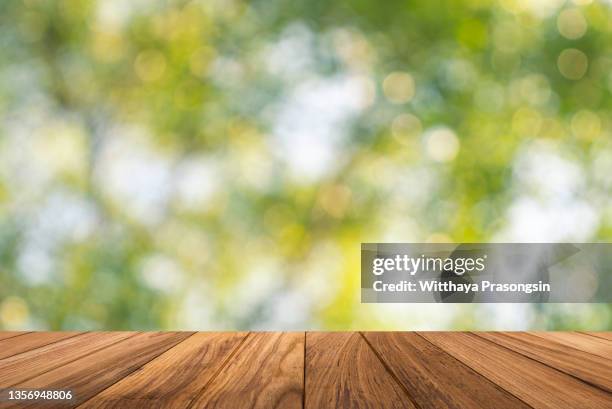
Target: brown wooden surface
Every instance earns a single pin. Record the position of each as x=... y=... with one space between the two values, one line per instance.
x=267 y=371
x=572 y=361
x=604 y=335
x=30 y=341
x=97 y=371
x=434 y=378
x=342 y=371
x=21 y=367
x=311 y=370
x=175 y=378
x=594 y=345
x=536 y=384
x=11 y=334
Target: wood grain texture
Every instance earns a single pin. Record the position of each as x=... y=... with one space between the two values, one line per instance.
x=93 y=373
x=435 y=379
x=343 y=372
x=19 y=368
x=534 y=383
x=584 y=342
x=29 y=341
x=11 y=334
x=266 y=372
x=173 y=379
x=311 y=370
x=583 y=365
x=603 y=335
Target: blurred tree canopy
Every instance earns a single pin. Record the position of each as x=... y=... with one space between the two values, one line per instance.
x=216 y=164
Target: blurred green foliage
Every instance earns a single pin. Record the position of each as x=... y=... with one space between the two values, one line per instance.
x=216 y=164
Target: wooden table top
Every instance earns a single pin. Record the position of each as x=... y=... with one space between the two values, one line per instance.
x=310 y=370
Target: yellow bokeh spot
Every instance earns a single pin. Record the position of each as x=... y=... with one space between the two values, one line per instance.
x=277 y=217
x=150 y=65
x=200 y=60
x=551 y=128
x=406 y=127
x=14 y=312
x=294 y=239
x=572 y=63
x=442 y=144
x=526 y=121
x=586 y=125
x=399 y=87
x=535 y=89
x=107 y=47
x=354 y=49
x=335 y=200
x=63 y=148
x=571 y=24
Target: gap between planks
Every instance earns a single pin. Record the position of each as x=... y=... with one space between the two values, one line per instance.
x=60 y=363
x=389 y=371
x=12 y=334
x=138 y=368
x=93 y=372
x=541 y=357
x=31 y=345
x=518 y=374
x=221 y=368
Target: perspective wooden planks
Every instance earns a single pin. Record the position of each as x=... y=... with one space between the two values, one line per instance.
x=314 y=370
x=92 y=373
x=536 y=384
x=583 y=365
x=18 y=368
x=343 y=372
x=602 y=335
x=11 y=334
x=173 y=379
x=433 y=378
x=267 y=371
x=594 y=345
x=29 y=341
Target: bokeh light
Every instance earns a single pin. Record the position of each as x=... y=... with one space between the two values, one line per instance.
x=216 y=164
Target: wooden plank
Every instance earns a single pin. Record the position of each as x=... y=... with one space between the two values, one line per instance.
x=343 y=372
x=594 y=345
x=93 y=373
x=11 y=334
x=19 y=368
x=435 y=379
x=603 y=335
x=266 y=372
x=588 y=367
x=534 y=383
x=173 y=379
x=29 y=341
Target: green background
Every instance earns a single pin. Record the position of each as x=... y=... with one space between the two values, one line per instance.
x=216 y=164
